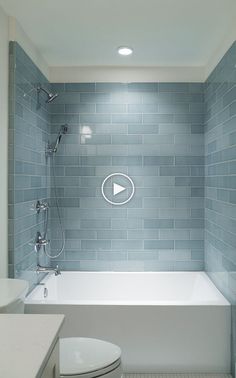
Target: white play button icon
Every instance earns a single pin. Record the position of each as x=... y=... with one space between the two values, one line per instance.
x=117 y=189
x=110 y=188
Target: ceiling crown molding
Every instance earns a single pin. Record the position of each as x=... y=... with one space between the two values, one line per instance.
x=220 y=52
x=81 y=74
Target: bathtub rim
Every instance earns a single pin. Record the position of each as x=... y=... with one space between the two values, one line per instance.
x=220 y=301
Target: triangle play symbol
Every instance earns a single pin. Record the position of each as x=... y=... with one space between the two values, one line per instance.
x=117 y=189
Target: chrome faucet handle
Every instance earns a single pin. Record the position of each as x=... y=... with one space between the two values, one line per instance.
x=40 y=241
x=43 y=242
x=41 y=206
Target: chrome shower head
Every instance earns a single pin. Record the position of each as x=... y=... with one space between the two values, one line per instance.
x=50 y=96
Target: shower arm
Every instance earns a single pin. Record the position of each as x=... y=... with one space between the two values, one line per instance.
x=39 y=88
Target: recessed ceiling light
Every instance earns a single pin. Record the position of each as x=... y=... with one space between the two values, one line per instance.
x=124 y=50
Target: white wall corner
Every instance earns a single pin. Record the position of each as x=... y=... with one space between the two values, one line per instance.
x=4 y=142
x=87 y=74
x=220 y=52
x=16 y=33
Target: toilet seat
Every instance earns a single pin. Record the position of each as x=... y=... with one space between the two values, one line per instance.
x=87 y=358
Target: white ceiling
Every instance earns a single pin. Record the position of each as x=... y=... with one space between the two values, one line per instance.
x=88 y=32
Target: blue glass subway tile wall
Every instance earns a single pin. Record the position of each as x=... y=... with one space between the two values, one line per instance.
x=152 y=132
x=220 y=213
x=220 y=171
x=29 y=175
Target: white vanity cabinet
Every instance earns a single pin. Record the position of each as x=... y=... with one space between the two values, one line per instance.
x=52 y=368
x=29 y=345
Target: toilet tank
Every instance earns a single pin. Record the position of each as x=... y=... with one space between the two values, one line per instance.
x=12 y=295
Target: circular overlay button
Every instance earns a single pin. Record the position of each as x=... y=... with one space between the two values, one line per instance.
x=117 y=189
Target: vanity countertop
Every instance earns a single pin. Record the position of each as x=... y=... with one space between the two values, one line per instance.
x=26 y=342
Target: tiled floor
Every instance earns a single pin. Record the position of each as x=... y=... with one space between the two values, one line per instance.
x=177 y=376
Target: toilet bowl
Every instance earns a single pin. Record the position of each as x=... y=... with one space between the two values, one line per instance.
x=89 y=358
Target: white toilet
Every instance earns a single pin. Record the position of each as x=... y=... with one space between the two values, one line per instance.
x=89 y=358
x=79 y=357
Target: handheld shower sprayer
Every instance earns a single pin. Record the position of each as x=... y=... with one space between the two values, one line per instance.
x=52 y=148
x=51 y=151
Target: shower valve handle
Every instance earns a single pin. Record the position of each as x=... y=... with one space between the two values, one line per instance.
x=41 y=206
x=40 y=241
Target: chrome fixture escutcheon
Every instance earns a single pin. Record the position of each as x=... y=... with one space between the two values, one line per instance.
x=41 y=206
x=40 y=241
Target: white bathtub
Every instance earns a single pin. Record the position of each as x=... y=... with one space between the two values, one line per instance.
x=163 y=322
